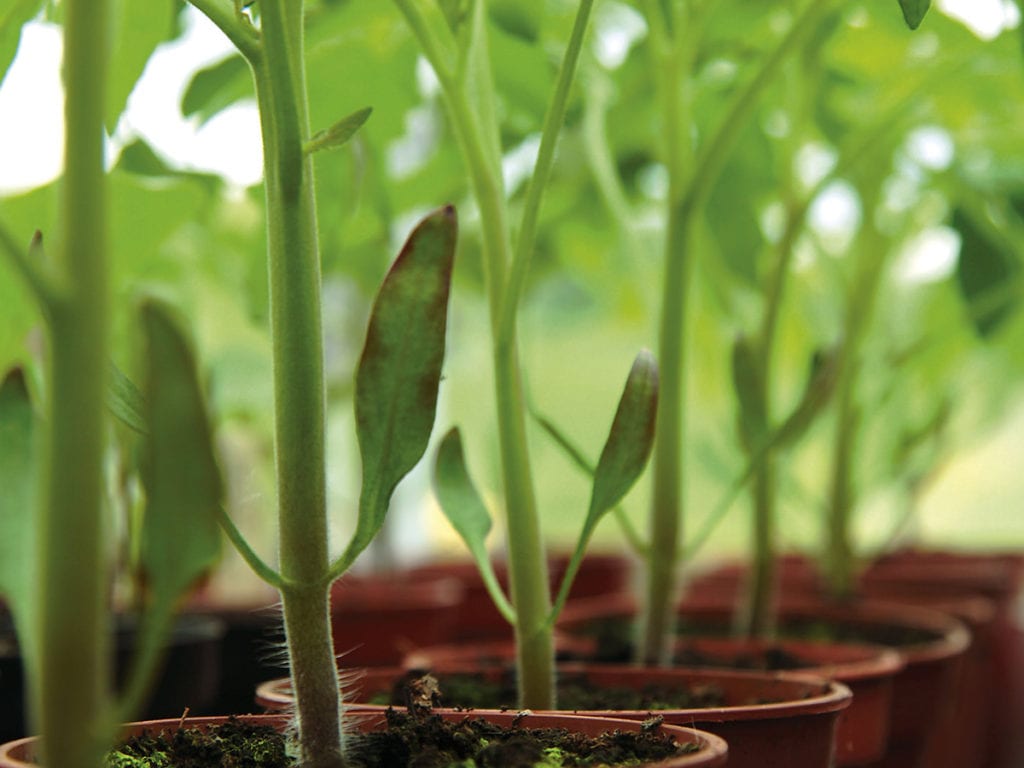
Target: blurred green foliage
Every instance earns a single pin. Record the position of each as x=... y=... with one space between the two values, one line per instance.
x=863 y=103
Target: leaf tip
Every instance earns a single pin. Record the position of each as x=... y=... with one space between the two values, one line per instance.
x=15 y=382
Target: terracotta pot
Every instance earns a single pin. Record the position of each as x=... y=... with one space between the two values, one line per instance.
x=993 y=707
x=795 y=730
x=925 y=691
x=984 y=590
x=868 y=670
x=477 y=617
x=712 y=753
x=376 y=620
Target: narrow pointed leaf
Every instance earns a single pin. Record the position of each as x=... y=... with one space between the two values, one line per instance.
x=914 y=11
x=18 y=430
x=400 y=368
x=821 y=384
x=623 y=458
x=180 y=536
x=575 y=454
x=466 y=511
x=180 y=532
x=631 y=437
x=339 y=133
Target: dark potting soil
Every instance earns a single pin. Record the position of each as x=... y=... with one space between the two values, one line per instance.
x=574 y=693
x=611 y=647
x=419 y=740
x=614 y=643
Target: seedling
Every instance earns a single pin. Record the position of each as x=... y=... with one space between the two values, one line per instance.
x=454 y=39
x=396 y=392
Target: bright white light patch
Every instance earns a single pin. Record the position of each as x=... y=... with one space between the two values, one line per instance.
x=616 y=28
x=813 y=162
x=835 y=215
x=31 y=102
x=518 y=163
x=229 y=144
x=986 y=18
x=931 y=147
x=237 y=127
x=409 y=153
x=652 y=180
x=426 y=78
x=929 y=257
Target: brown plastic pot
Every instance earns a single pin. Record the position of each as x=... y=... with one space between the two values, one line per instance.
x=869 y=670
x=794 y=729
x=982 y=591
x=993 y=705
x=478 y=619
x=376 y=620
x=712 y=753
x=927 y=689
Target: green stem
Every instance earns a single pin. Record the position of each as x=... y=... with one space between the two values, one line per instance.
x=713 y=156
x=527 y=563
x=553 y=120
x=237 y=29
x=72 y=704
x=505 y=275
x=839 y=554
x=757 y=618
x=684 y=201
x=600 y=159
x=668 y=476
x=299 y=393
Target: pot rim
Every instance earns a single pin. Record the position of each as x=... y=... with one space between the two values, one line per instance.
x=712 y=753
x=812 y=694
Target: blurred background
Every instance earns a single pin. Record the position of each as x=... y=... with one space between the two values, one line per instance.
x=904 y=150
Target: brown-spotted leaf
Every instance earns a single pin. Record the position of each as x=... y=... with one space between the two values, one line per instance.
x=400 y=368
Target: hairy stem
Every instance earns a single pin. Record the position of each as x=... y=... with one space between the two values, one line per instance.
x=299 y=394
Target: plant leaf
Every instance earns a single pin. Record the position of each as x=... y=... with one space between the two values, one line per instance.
x=139 y=27
x=400 y=369
x=180 y=533
x=520 y=18
x=822 y=378
x=339 y=133
x=914 y=11
x=985 y=268
x=466 y=511
x=630 y=439
x=217 y=87
x=18 y=429
x=623 y=458
x=573 y=452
